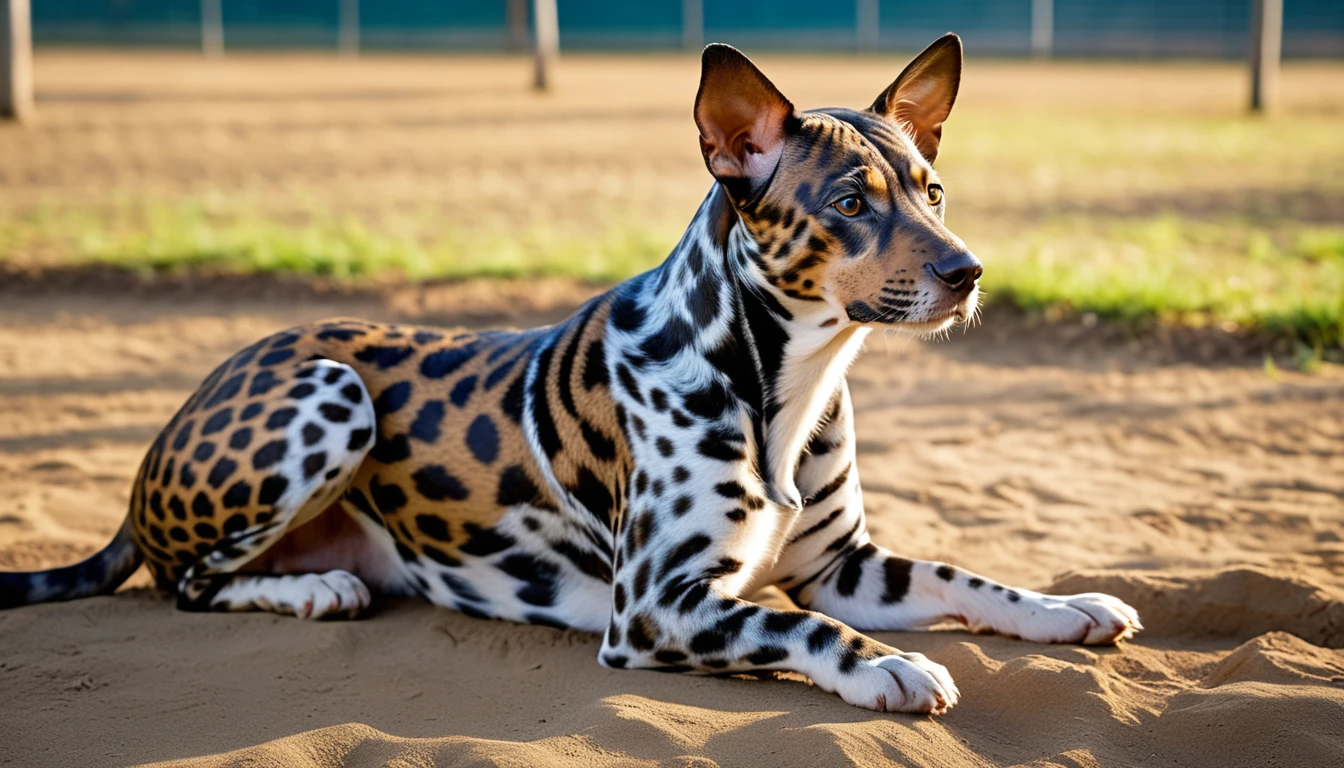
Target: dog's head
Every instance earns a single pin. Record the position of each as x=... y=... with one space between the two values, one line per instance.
x=844 y=204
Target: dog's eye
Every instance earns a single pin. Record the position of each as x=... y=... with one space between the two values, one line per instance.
x=935 y=194
x=849 y=206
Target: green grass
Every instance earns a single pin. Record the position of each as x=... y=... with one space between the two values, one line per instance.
x=1281 y=279
x=1273 y=276
x=194 y=236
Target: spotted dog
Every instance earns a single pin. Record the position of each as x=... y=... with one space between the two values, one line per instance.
x=637 y=470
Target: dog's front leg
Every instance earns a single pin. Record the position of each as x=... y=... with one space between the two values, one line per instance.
x=877 y=590
x=698 y=530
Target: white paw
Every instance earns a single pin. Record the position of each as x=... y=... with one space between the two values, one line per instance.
x=316 y=595
x=904 y=682
x=1089 y=619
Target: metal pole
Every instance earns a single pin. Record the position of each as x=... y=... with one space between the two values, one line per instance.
x=1042 y=28
x=546 y=41
x=349 y=34
x=16 y=61
x=693 y=24
x=516 y=15
x=212 y=28
x=1266 y=47
x=866 y=24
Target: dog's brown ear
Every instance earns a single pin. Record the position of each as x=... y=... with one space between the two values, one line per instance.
x=923 y=95
x=743 y=121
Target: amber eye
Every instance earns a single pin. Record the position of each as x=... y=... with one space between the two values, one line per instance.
x=935 y=194
x=849 y=206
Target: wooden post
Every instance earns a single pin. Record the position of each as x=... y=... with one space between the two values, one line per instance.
x=1042 y=28
x=692 y=24
x=212 y=28
x=1266 y=47
x=866 y=17
x=16 y=61
x=545 y=41
x=516 y=18
x=348 y=42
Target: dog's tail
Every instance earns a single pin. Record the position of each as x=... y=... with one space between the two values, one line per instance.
x=100 y=574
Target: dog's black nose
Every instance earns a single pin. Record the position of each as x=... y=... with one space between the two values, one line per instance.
x=957 y=271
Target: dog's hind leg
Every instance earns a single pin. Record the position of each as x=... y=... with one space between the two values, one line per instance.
x=311 y=438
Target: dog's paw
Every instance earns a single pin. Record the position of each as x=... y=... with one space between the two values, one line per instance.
x=903 y=682
x=1087 y=619
x=319 y=595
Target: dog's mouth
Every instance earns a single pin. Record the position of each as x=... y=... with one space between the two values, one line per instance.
x=915 y=317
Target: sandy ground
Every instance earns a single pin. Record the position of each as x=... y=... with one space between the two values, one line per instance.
x=1210 y=496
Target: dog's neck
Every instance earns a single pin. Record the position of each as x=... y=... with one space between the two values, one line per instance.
x=785 y=358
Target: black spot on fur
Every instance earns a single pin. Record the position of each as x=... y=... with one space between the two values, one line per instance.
x=183 y=436
x=822 y=638
x=314 y=463
x=483 y=439
x=515 y=487
x=462 y=391
x=225 y=391
x=685 y=551
x=384 y=356
x=300 y=391
x=312 y=434
x=483 y=542
x=392 y=399
x=434 y=482
x=269 y=454
x=238 y=495
x=719 y=443
x=437 y=365
x=852 y=571
x=250 y=412
x=665 y=447
x=709 y=402
x=434 y=527
x=240 y=439
x=388 y=498
x=769 y=654
x=945 y=572
x=201 y=506
x=221 y=472
x=217 y=422
x=275 y=358
x=783 y=622
x=537 y=575
x=203 y=452
x=594 y=366
x=628 y=383
x=272 y=488
x=338 y=414
x=358 y=438
x=428 y=421
x=512 y=403
x=281 y=418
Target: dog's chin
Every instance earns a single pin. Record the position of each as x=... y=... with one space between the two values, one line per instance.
x=926 y=328
x=959 y=313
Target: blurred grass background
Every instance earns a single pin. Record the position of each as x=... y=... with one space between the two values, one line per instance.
x=1137 y=193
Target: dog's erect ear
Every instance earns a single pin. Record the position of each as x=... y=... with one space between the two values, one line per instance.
x=743 y=121
x=922 y=96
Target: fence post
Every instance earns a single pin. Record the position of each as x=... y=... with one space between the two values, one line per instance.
x=692 y=24
x=348 y=42
x=546 y=41
x=16 y=61
x=516 y=18
x=866 y=17
x=1042 y=28
x=212 y=28
x=1266 y=46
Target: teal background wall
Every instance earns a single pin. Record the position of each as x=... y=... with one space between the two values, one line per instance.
x=1111 y=28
